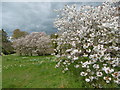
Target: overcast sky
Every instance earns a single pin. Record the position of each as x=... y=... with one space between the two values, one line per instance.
x=56 y=0
x=32 y=16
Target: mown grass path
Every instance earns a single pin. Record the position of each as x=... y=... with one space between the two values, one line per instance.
x=35 y=72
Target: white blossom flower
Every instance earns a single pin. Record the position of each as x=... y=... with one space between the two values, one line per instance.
x=107 y=70
x=87 y=80
x=75 y=58
x=68 y=50
x=75 y=51
x=85 y=55
x=66 y=69
x=88 y=50
x=116 y=74
x=83 y=73
x=96 y=66
x=64 y=62
x=57 y=55
x=99 y=74
x=69 y=57
x=76 y=66
x=88 y=70
x=117 y=81
x=86 y=45
x=108 y=79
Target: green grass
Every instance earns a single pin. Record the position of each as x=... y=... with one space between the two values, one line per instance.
x=0 y=72
x=39 y=72
x=35 y=72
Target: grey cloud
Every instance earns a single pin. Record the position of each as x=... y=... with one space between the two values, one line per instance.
x=31 y=16
x=0 y=15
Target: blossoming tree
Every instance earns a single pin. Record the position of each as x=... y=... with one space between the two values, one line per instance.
x=91 y=33
x=36 y=43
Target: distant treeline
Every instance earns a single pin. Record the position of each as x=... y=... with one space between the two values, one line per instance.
x=24 y=43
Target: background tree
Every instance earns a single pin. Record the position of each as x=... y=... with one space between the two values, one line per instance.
x=36 y=43
x=5 y=44
x=17 y=33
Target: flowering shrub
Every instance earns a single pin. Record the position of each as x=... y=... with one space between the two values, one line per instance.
x=36 y=43
x=90 y=33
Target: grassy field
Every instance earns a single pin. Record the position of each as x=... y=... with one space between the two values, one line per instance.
x=35 y=72
x=38 y=72
x=0 y=72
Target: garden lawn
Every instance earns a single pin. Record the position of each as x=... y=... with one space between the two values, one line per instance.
x=35 y=72
x=39 y=72
x=0 y=72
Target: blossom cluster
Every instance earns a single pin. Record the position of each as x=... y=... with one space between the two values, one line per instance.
x=36 y=43
x=93 y=33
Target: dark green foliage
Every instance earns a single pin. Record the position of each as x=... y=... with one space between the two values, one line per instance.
x=5 y=45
